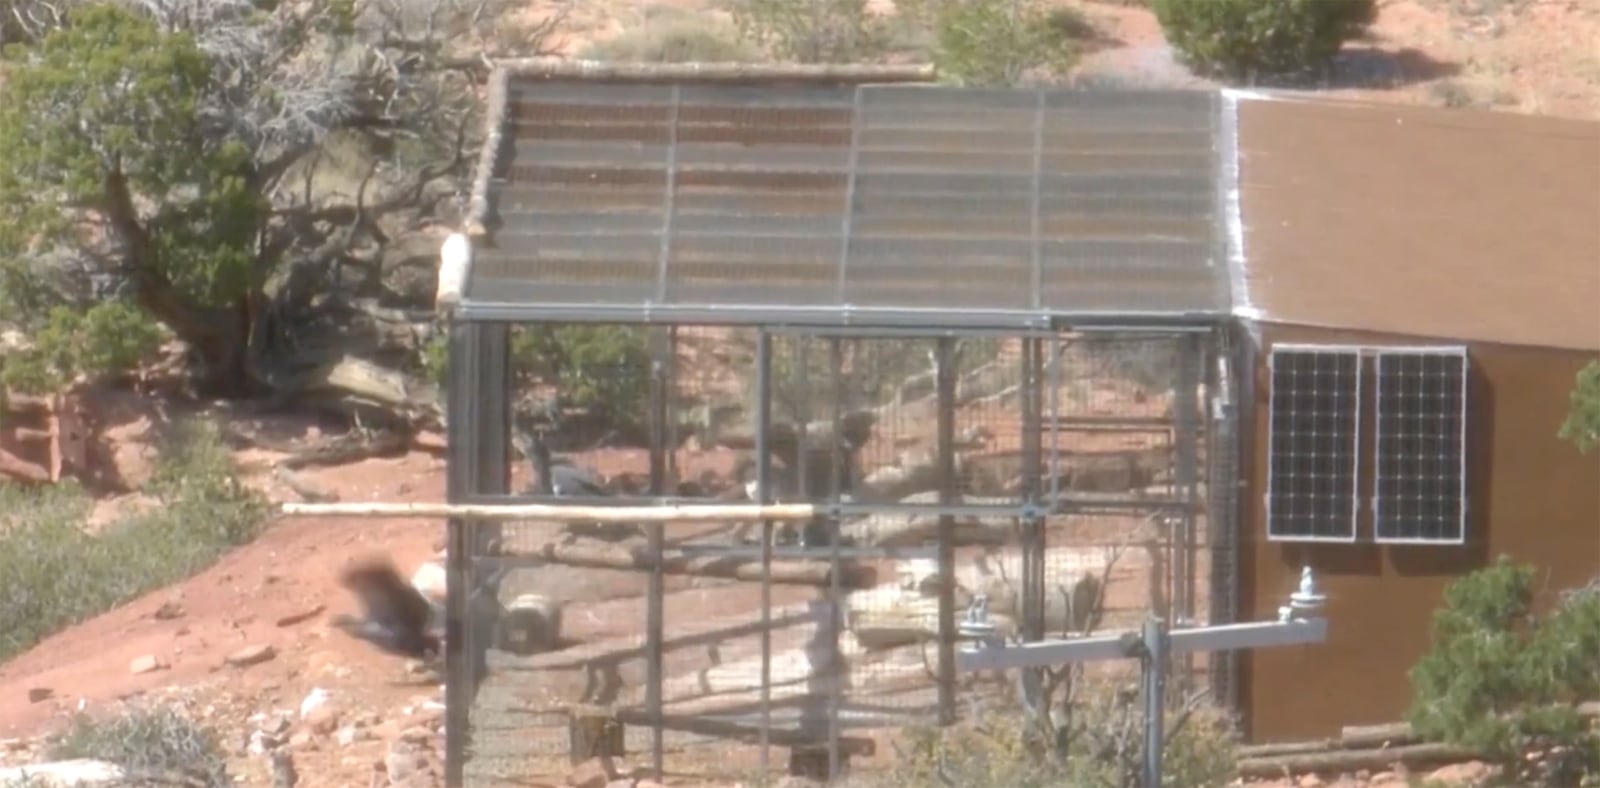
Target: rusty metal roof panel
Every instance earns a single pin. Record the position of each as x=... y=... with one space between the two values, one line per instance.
x=835 y=202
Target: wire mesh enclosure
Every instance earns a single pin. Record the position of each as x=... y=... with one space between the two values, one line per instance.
x=977 y=330
x=1062 y=476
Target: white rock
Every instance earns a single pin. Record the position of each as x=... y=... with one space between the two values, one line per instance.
x=74 y=773
x=313 y=701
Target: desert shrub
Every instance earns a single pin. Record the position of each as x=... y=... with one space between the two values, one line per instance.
x=814 y=31
x=58 y=574
x=995 y=43
x=603 y=370
x=1097 y=742
x=163 y=745
x=1504 y=682
x=107 y=338
x=1582 y=425
x=675 y=38
x=1245 y=39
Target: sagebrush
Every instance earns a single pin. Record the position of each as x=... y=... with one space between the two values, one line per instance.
x=675 y=38
x=57 y=573
x=155 y=745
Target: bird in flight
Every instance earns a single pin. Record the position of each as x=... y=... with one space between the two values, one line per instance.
x=396 y=617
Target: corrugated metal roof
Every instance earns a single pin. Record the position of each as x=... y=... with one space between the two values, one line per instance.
x=834 y=202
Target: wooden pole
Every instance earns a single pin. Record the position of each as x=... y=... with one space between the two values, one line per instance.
x=695 y=513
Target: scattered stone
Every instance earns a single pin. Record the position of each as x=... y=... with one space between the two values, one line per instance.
x=301 y=617
x=797 y=781
x=277 y=725
x=626 y=782
x=148 y=663
x=1469 y=773
x=40 y=694
x=593 y=773
x=322 y=720
x=262 y=743
x=313 y=700
x=169 y=611
x=350 y=734
x=251 y=655
x=302 y=740
x=416 y=735
x=648 y=784
x=1311 y=781
x=283 y=771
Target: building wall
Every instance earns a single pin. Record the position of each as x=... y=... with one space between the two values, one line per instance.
x=1531 y=496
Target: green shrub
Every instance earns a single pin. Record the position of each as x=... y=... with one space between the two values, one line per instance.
x=107 y=338
x=1246 y=39
x=1582 y=425
x=601 y=369
x=675 y=38
x=160 y=744
x=1505 y=683
x=814 y=31
x=994 y=43
x=58 y=574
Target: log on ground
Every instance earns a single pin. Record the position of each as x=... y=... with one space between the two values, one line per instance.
x=1412 y=756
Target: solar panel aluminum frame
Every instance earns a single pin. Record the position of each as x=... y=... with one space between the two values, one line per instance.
x=1379 y=353
x=1355 y=460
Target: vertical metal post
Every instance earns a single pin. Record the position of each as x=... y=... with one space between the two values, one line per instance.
x=1222 y=454
x=1155 y=695
x=764 y=495
x=1033 y=547
x=835 y=593
x=662 y=345
x=477 y=403
x=948 y=493
x=1185 y=407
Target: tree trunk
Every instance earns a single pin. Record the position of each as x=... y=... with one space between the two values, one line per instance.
x=218 y=336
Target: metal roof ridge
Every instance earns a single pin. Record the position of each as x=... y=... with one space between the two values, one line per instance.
x=1228 y=176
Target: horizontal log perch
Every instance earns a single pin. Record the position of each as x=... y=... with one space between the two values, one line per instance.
x=781 y=737
x=1255 y=751
x=1413 y=756
x=806 y=573
x=1355 y=737
x=686 y=513
x=1369 y=747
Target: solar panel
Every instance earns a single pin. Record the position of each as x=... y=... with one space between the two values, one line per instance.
x=1314 y=443
x=1420 y=478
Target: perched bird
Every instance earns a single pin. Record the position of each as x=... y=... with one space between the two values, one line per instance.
x=561 y=477
x=396 y=616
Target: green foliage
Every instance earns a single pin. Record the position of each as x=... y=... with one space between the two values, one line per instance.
x=1245 y=39
x=58 y=574
x=675 y=38
x=995 y=43
x=604 y=369
x=103 y=115
x=1505 y=683
x=1101 y=749
x=110 y=337
x=160 y=743
x=1582 y=425
x=814 y=31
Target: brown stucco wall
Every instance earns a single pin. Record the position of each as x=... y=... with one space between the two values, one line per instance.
x=1531 y=496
